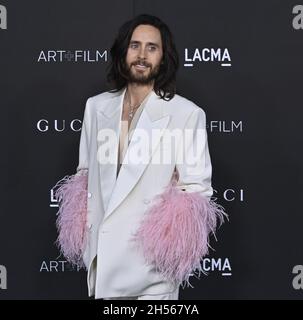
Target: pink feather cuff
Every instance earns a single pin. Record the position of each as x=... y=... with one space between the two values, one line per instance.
x=71 y=193
x=174 y=234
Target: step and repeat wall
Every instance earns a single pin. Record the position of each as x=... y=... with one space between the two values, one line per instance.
x=239 y=61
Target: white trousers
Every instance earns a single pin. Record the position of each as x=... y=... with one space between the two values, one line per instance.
x=167 y=296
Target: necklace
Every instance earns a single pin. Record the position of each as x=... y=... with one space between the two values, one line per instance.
x=132 y=108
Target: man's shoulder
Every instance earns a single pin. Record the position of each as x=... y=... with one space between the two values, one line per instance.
x=100 y=100
x=184 y=105
x=103 y=96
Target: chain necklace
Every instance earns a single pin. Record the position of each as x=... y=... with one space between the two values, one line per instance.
x=132 y=108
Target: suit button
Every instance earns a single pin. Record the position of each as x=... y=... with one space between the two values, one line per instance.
x=89 y=225
x=89 y=195
x=146 y=201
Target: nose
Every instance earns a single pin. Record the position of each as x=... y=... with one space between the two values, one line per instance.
x=142 y=53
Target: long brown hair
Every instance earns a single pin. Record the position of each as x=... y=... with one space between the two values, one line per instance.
x=165 y=82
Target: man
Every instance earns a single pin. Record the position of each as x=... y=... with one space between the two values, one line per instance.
x=138 y=212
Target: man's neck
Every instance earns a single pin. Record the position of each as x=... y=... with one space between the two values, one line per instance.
x=137 y=93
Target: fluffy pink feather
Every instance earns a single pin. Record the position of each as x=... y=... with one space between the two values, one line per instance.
x=71 y=193
x=174 y=233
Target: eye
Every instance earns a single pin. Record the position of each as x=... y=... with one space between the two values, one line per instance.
x=152 y=48
x=133 y=45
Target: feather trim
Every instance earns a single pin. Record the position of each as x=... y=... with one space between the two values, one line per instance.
x=71 y=193
x=174 y=234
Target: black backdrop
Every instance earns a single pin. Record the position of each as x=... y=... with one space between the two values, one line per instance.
x=248 y=81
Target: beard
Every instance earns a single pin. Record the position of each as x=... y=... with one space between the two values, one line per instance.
x=141 y=78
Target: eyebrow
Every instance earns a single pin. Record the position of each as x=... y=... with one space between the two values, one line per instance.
x=149 y=43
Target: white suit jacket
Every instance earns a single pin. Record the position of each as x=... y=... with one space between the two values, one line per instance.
x=115 y=207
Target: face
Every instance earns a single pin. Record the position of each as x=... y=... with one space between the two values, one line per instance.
x=144 y=55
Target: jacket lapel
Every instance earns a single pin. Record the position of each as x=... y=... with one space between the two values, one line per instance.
x=146 y=136
x=108 y=117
